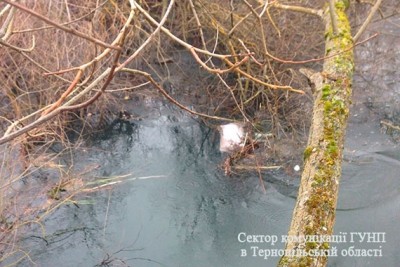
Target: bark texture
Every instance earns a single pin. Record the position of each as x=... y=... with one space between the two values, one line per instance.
x=314 y=213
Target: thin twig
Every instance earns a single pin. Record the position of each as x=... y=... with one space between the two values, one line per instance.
x=65 y=94
x=170 y=98
x=272 y=86
x=127 y=88
x=205 y=47
x=66 y=23
x=4 y=10
x=20 y=49
x=367 y=20
x=9 y=135
x=247 y=167
x=390 y=125
x=177 y=39
x=238 y=23
x=215 y=70
x=272 y=21
x=311 y=11
x=223 y=57
x=332 y=13
x=200 y=28
x=60 y=26
x=258 y=168
x=109 y=73
x=6 y=28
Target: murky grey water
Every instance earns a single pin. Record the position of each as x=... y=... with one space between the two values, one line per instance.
x=187 y=213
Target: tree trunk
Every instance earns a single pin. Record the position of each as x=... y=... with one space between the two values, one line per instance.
x=314 y=213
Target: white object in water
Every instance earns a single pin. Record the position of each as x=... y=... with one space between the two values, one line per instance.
x=296 y=168
x=232 y=136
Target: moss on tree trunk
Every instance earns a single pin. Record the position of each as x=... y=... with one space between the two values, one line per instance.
x=314 y=213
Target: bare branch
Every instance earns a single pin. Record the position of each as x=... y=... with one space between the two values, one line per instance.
x=311 y=11
x=367 y=20
x=24 y=54
x=177 y=39
x=6 y=28
x=46 y=117
x=272 y=86
x=333 y=16
x=390 y=125
x=108 y=74
x=20 y=49
x=66 y=23
x=214 y=70
x=196 y=17
x=170 y=98
x=65 y=94
x=223 y=57
x=4 y=10
x=66 y=29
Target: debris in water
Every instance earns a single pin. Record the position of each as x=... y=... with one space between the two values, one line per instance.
x=232 y=137
x=296 y=168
